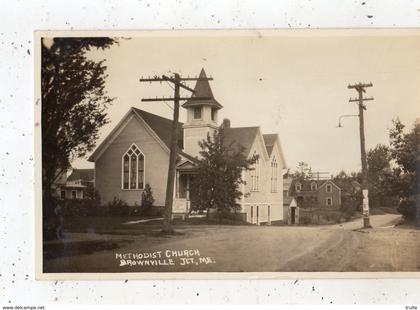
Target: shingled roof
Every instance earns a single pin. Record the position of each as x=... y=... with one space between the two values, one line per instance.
x=241 y=136
x=82 y=174
x=202 y=89
x=306 y=184
x=162 y=127
x=269 y=140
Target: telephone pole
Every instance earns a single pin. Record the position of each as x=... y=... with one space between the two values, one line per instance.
x=177 y=82
x=361 y=89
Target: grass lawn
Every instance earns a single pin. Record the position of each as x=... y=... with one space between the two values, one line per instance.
x=91 y=227
x=109 y=225
x=114 y=225
x=72 y=248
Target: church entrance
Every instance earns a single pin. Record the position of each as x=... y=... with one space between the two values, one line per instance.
x=184 y=186
x=183 y=192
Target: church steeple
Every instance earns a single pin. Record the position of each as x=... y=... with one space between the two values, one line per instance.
x=202 y=89
x=201 y=115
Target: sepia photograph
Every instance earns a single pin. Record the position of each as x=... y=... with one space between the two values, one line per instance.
x=252 y=153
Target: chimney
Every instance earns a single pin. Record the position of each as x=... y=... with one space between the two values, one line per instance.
x=226 y=123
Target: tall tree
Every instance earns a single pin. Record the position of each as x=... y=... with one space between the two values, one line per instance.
x=351 y=195
x=219 y=175
x=379 y=175
x=73 y=105
x=405 y=150
x=303 y=171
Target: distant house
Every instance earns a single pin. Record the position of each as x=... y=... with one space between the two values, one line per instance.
x=59 y=182
x=290 y=207
x=136 y=153
x=78 y=184
x=316 y=194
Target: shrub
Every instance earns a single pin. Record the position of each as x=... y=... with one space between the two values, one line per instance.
x=305 y=220
x=81 y=207
x=147 y=200
x=136 y=211
x=407 y=207
x=118 y=207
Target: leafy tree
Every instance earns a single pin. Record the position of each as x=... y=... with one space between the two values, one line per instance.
x=351 y=199
x=73 y=105
x=303 y=171
x=342 y=175
x=379 y=176
x=405 y=150
x=219 y=175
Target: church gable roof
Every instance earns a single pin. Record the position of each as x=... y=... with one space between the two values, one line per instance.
x=162 y=127
x=269 y=140
x=158 y=126
x=241 y=136
x=202 y=89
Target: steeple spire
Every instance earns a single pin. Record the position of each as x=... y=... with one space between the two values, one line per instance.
x=201 y=115
x=202 y=89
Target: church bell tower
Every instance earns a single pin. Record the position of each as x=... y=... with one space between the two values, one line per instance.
x=201 y=115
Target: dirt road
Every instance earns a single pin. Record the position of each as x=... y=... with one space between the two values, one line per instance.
x=260 y=248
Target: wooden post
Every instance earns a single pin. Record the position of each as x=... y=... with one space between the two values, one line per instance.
x=360 y=88
x=365 y=191
x=167 y=224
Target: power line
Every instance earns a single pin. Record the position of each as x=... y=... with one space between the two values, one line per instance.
x=176 y=80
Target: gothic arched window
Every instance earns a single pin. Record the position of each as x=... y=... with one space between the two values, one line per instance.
x=255 y=173
x=274 y=175
x=133 y=168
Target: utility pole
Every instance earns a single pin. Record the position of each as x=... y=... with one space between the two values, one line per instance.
x=361 y=88
x=177 y=81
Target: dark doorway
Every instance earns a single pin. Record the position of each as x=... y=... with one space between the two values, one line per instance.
x=292 y=215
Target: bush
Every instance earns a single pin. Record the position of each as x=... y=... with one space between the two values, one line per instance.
x=136 y=211
x=81 y=207
x=407 y=207
x=305 y=220
x=147 y=200
x=118 y=207
x=349 y=211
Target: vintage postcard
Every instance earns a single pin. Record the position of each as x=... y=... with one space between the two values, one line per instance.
x=227 y=154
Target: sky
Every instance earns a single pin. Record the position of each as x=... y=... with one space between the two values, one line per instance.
x=292 y=85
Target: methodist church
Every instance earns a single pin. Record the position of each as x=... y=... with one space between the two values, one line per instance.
x=136 y=153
